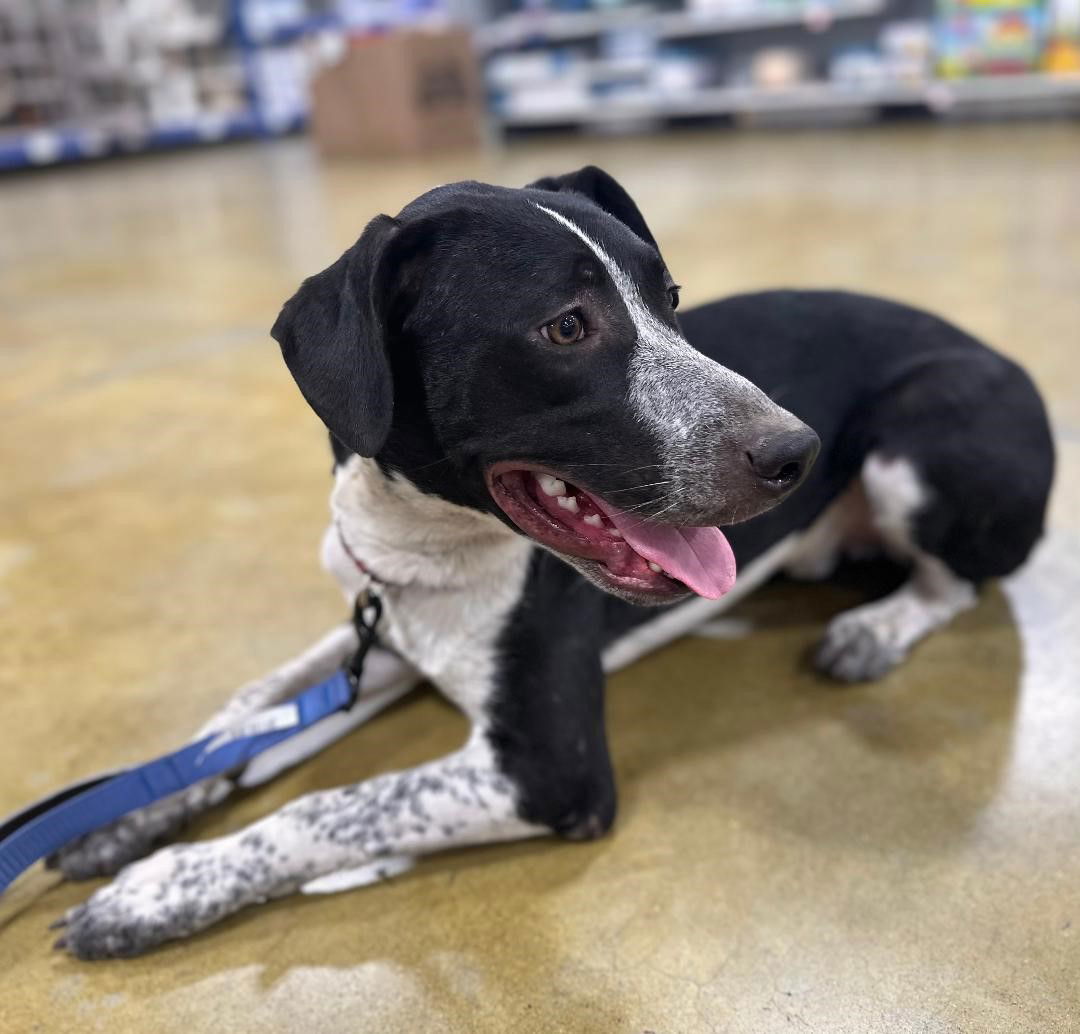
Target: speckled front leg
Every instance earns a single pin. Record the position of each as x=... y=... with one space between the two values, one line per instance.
x=105 y=851
x=459 y=800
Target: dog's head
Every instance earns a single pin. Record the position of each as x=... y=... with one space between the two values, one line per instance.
x=517 y=351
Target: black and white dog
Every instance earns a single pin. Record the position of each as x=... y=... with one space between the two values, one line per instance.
x=527 y=443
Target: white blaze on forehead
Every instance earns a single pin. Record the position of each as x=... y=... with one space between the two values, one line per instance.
x=627 y=288
x=673 y=387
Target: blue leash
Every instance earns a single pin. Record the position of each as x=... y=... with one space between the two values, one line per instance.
x=45 y=827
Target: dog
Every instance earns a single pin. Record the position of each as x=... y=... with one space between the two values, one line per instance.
x=533 y=459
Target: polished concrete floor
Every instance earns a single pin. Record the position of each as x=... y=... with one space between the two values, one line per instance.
x=790 y=855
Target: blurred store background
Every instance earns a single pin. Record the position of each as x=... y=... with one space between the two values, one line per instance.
x=86 y=78
x=789 y=856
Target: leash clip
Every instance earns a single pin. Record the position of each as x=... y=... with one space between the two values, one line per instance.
x=367 y=611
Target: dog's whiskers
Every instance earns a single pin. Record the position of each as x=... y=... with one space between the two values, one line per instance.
x=670 y=506
x=634 y=488
x=652 y=502
x=627 y=470
x=426 y=466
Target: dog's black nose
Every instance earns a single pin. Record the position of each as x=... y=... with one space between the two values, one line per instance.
x=781 y=460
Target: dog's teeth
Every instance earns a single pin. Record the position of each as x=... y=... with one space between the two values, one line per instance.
x=551 y=485
x=568 y=502
x=594 y=520
x=655 y=568
x=615 y=533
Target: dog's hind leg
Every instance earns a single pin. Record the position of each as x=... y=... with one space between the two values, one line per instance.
x=386 y=678
x=464 y=798
x=956 y=480
x=867 y=641
x=953 y=544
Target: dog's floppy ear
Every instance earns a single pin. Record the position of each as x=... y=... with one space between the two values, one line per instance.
x=332 y=335
x=603 y=190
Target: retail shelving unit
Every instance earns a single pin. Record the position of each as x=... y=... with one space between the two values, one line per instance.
x=541 y=27
x=601 y=64
x=81 y=80
x=75 y=85
x=941 y=98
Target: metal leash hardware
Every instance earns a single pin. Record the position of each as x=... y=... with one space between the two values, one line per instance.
x=367 y=611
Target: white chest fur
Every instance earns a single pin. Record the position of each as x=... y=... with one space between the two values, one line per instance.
x=452 y=575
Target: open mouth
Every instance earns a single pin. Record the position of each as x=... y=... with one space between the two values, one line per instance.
x=621 y=550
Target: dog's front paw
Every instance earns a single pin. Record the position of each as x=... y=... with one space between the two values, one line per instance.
x=106 y=851
x=856 y=649
x=172 y=894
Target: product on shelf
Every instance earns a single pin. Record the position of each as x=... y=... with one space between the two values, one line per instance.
x=680 y=72
x=778 y=67
x=538 y=82
x=988 y=37
x=1062 y=54
x=907 y=50
x=858 y=68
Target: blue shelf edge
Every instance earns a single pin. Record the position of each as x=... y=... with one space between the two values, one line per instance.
x=53 y=146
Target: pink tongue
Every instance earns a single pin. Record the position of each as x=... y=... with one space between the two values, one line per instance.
x=698 y=557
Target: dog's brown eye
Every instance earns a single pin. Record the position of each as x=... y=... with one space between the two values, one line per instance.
x=567 y=329
x=673 y=295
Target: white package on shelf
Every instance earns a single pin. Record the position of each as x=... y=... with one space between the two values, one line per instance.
x=263 y=18
x=281 y=77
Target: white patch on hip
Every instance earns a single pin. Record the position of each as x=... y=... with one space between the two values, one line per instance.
x=896 y=494
x=876 y=512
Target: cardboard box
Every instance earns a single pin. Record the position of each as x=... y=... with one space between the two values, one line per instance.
x=403 y=93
